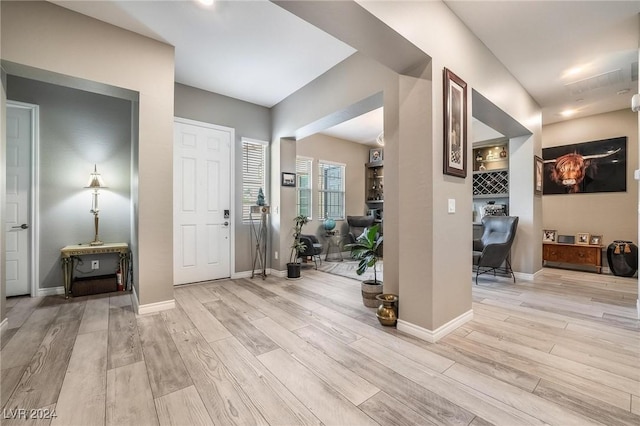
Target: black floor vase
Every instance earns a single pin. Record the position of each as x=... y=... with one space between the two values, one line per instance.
x=623 y=258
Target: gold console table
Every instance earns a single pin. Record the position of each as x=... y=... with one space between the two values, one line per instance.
x=69 y=253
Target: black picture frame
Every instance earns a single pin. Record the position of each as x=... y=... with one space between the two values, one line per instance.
x=288 y=179
x=455 y=125
x=596 y=166
x=376 y=155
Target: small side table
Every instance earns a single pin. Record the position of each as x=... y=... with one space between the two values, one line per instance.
x=69 y=253
x=334 y=249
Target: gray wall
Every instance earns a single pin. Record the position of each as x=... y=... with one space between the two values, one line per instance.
x=354 y=156
x=249 y=121
x=77 y=130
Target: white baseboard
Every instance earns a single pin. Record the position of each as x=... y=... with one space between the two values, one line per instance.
x=525 y=276
x=433 y=336
x=279 y=274
x=247 y=274
x=151 y=308
x=50 y=291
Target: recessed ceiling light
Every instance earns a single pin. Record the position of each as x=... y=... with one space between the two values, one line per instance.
x=572 y=71
x=568 y=112
x=206 y=2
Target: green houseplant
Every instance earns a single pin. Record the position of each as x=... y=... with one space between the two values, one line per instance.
x=365 y=250
x=293 y=267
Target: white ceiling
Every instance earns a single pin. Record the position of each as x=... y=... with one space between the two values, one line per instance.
x=258 y=52
x=541 y=41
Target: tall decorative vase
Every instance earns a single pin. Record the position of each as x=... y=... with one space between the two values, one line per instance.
x=623 y=258
x=387 y=312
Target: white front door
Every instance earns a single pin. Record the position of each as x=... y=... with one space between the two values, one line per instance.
x=202 y=201
x=18 y=232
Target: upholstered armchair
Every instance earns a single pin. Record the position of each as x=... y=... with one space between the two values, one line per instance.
x=357 y=224
x=313 y=248
x=491 y=251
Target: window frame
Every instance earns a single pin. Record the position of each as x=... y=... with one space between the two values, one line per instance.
x=322 y=192
x=299 y=188
x=245 y=205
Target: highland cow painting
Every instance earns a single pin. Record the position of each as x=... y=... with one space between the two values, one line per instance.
x=588 y=167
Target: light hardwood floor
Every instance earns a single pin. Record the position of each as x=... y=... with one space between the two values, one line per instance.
x=561 y=350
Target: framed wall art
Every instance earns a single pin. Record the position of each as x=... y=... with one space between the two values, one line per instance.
x=455 y=125
x=375 y=155
x=549 y=235
x=595 y=240
x=582 y=238
x=538 y=174
x=588 y=167
x=288 y=179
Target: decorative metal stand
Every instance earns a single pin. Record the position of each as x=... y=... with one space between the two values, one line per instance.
x=259 y=228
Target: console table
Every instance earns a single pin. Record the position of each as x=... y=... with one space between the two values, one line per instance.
x=69 y=253
x=576 y=254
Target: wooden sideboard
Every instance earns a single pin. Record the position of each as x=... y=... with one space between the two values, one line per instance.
x=575 y=254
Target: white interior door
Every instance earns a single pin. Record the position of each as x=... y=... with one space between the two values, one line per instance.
x=202 y=202
x=18 y=161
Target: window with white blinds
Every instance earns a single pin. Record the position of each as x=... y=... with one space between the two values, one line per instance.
x=330 y=190
x=303 y=186
x=254 y=173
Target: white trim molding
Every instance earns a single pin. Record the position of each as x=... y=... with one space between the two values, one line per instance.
x=433 y=336
x=50 y=291
x=247 y=274
x=151 y=308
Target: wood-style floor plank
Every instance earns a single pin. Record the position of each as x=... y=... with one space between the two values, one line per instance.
x=425 y=403
x=27 y=339
x=222 y=396
x=579 y=403
x=165 y=368
x=176 y=320
x=40 y=384
x=124 y=342
x=272 y=398
x=552 y=373
x=387 y=410
x=96 y=315
x=82 y=398
x=265 y=306
x=182 y=407
x=350 y=385
x=129 y=397
x=21 y=309
x=330 y=407
x=250 y=336
x=524 y=401
x=208 y=325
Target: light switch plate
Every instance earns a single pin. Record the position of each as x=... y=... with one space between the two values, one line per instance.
x=636 y=174
x=452 y=205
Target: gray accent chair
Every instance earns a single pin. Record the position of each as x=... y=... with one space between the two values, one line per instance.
x=313 y=248
x=492 y=251
x=357 y=224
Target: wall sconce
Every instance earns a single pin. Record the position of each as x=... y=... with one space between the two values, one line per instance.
x=95 y=183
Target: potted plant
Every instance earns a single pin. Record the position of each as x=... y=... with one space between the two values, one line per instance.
x=365 y=249
x=293 y=267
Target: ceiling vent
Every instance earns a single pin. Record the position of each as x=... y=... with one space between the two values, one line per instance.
x=599 y=81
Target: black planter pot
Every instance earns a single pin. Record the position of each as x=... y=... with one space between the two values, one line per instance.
x=623 y=258
x=293 y=270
